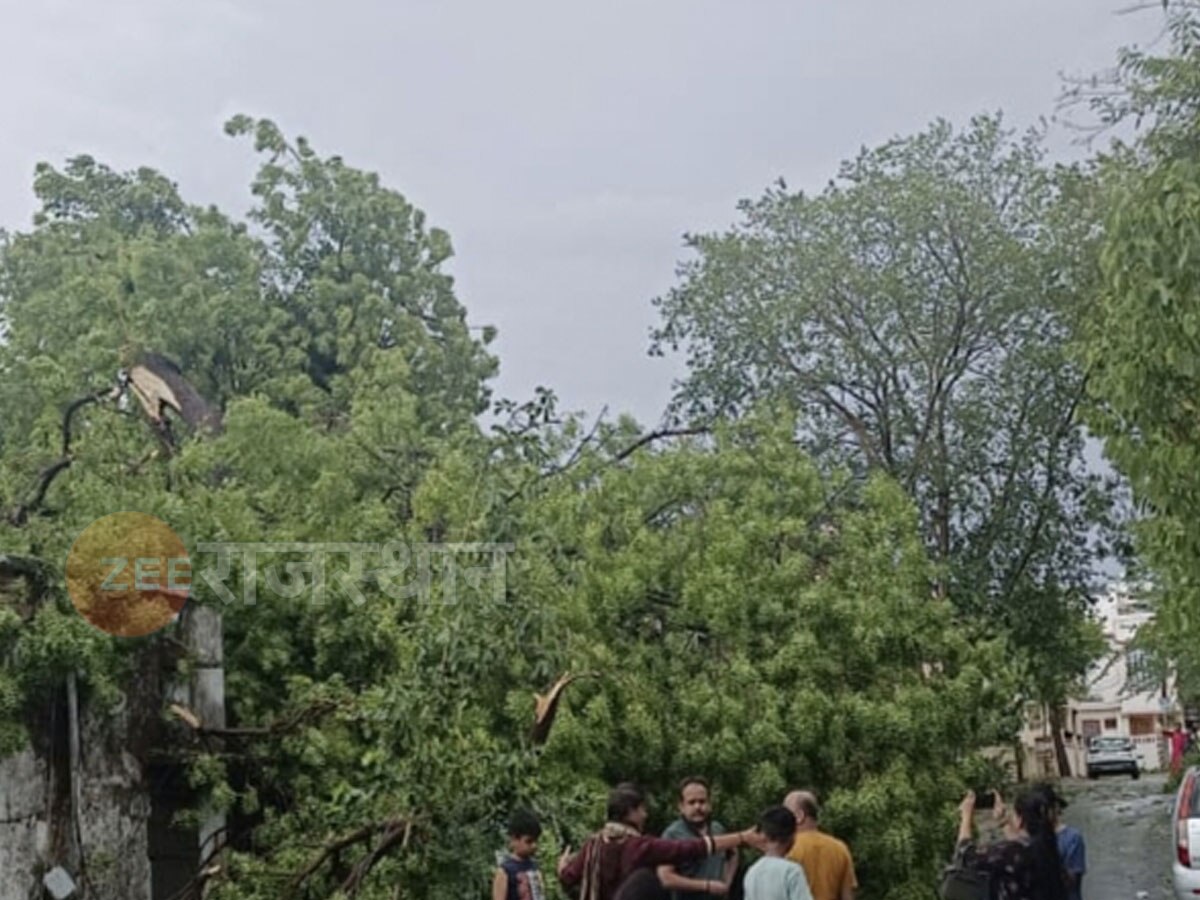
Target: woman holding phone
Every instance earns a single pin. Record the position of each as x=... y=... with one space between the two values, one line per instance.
x=1023 y=866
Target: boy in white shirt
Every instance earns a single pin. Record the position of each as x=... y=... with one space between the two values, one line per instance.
x=774 y=877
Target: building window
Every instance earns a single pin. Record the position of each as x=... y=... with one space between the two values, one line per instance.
x=1091 y=728
x=1140 y=726
x=1110 y=724
x=1140 y=673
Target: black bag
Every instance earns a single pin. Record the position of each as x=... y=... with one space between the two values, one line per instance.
x=960 y=883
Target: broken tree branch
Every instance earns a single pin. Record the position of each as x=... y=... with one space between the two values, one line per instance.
x=285 y=725
x=398 y=833
x=389 y=827
x=20 y=514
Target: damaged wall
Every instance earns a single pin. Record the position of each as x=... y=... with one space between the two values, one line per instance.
x=119 y=844
x=36 y=821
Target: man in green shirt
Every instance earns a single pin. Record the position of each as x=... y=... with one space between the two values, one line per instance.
x=707 y=877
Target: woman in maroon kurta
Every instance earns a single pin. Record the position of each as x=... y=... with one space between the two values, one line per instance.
x=619 y=848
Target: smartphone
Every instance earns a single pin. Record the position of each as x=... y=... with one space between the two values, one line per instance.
x=985 y=799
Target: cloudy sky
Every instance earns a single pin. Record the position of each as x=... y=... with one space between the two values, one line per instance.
x=566 y=146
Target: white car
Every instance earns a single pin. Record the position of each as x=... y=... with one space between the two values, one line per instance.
x=1106 y=755
x=1185 y=818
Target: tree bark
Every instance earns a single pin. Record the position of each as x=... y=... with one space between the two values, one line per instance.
x=1060 y=746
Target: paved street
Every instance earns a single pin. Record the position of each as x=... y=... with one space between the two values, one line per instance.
x=1127 y=829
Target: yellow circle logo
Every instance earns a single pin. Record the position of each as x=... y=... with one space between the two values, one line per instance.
x=129 y=574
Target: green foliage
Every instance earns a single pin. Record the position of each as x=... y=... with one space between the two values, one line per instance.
x=755 y=622
x=736 y=614
x=1143 y=340
x=916 y=313
x=736 y=606
x=1156 y=92
x=358 y=274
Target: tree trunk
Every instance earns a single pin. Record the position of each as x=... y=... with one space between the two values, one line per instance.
x=943 y=506
x=1060 y=746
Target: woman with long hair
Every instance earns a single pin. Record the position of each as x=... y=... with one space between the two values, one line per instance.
x=1023 y=866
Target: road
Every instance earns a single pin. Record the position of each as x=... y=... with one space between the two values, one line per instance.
x=1126 y=825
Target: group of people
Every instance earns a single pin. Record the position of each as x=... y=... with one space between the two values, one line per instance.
x=695 y=858
x=1038 y=857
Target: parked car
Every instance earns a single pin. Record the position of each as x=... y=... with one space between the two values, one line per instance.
x=1108 y=755
x=1185 y=818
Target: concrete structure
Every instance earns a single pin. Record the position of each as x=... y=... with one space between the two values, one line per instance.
x=91 y=814
x=1116 y=701
x=96 y=791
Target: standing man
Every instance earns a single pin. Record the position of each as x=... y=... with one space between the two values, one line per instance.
x=1071 y=848
x=611 y=855
x=710 y=876
x=826 y=860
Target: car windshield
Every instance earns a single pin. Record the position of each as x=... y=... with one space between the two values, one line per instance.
x=1111 y=743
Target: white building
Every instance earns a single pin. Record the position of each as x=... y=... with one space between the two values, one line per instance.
x=1116 y=700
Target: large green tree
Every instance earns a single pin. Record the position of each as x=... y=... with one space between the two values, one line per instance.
x=917 y=312
x=734 y=607
x=330 y=337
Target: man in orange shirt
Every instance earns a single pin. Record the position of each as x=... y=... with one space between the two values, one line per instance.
x=826 y=860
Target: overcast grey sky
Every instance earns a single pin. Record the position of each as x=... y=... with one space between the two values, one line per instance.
x=565 y=146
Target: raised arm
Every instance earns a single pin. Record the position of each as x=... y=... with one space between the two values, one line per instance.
x=570 y=868
x=652 y=851
x=966 y=818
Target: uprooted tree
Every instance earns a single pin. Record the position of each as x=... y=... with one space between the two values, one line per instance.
x=729 y=605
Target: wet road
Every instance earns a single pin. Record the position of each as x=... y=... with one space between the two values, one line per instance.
x=1126 y=825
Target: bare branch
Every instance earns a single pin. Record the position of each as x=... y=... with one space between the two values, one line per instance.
x=397 y=834
x=660 y=434
x=1048 y=489
x=825 y=398
x=395 y=831
x=570 y=461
